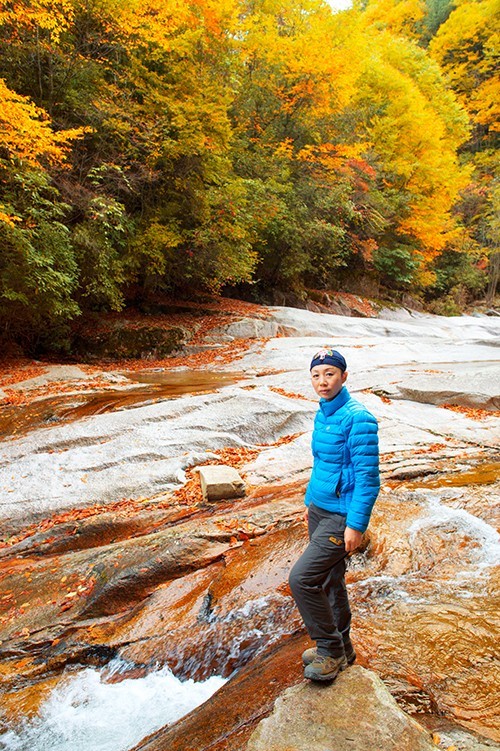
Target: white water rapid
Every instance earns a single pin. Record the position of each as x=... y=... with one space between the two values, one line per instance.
x=86 y=713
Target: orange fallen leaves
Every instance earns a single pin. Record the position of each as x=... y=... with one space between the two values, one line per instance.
x=83 y=589
x=14 y=397
x=190 y=492
x=428 y=449
x=356 y=303
x=236 y=456
x=268 y=371
x=382 y=397
x=212 y=312
x=283 y=440
x=74 y=515
x=19 y=369
x=473 y=412
x=436 y=447
x=214 y=357
x=288 y=394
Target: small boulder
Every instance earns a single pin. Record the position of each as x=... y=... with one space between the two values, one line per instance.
x=413 y=471
x=355 y=713
x=220 y=481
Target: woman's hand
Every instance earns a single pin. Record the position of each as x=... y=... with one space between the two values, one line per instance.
x=352 y=539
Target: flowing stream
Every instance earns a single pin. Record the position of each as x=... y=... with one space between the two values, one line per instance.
x=425 y=592
x=88 y=713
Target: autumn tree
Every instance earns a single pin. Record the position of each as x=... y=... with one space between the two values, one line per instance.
x=220 y=143
x=38 y=271
x=466 y=47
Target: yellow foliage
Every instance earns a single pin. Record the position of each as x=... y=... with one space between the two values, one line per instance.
x=415 y=135
x=175 y=25
x=9 y=219
x=53 y=16
x=25 y=131
x=466 y=46
x=400 y=17
x=330 y=157
x=302 y=48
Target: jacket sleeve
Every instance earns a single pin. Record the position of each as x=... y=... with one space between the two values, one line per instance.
x=362 y=444
x=307 y=498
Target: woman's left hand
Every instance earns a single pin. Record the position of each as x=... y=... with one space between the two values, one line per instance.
x=352 y=539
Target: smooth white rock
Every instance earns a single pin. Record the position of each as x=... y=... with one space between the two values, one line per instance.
x=143 y=451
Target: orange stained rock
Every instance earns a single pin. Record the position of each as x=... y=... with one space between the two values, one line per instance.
x=410 y=621
x=261 y=567
x=191 y=625
x=112 y=521
x=168 y=615
x=482 y=474
x=446 y=650
x=227 y=719
x=22 y=411
x=26 y=702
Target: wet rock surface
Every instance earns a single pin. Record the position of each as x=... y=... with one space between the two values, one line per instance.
x=226 y=721
x=126 y=342
x=110 y=552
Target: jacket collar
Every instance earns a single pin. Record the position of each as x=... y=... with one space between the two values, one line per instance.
x=329 y=407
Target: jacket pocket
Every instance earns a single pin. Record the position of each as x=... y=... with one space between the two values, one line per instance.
x=338 y=489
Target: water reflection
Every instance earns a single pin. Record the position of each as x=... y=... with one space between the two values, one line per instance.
x=16 y=420
x=483 y=474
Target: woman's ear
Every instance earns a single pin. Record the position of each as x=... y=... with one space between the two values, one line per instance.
x=344 y=376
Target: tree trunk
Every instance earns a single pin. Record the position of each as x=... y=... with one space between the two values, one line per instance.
x=494 y=273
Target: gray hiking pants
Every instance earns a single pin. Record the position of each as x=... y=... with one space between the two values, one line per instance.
x=317 y=582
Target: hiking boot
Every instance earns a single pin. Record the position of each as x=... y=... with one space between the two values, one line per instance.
x=310 y=654
x=350 y=654
x=325 y=668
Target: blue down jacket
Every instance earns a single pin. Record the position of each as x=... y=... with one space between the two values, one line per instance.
x=345 y=476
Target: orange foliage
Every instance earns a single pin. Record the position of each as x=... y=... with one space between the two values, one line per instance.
x=54 y=16
x=466 y=46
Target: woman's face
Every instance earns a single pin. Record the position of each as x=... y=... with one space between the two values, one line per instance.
x=327 y=380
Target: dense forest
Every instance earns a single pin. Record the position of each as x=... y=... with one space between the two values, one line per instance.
x=175 y=147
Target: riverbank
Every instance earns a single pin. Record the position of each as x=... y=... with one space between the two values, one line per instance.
x=109 y=551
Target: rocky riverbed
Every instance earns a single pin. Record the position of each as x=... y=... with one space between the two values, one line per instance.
x=111 y=562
